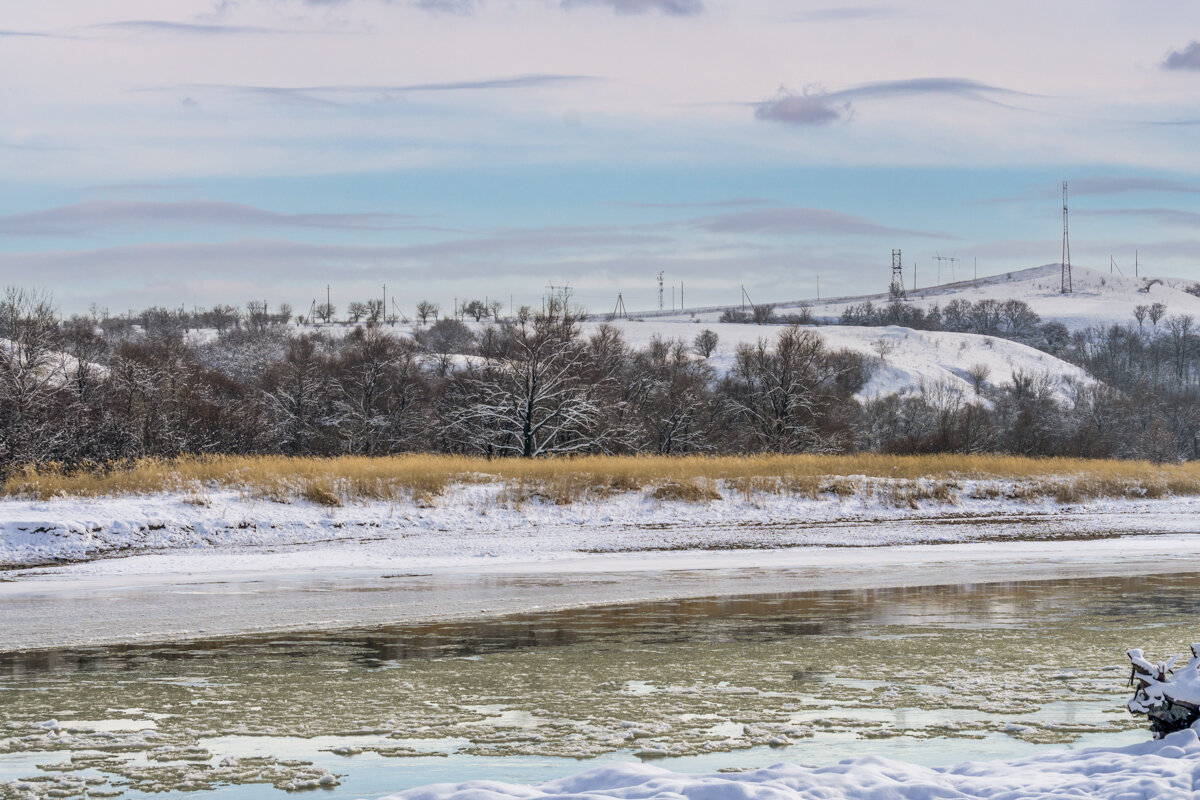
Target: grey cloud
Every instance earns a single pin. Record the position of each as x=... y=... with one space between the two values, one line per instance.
x=818 y=107
x=79 y=218
x=791 y=221
x=447 y=6
x=1187 y=58
x=679 y=8
x=802 y=109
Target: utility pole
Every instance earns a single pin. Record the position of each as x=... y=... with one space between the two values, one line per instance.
x=1066 y=248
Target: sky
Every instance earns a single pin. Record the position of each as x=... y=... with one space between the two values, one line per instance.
x=218 y=151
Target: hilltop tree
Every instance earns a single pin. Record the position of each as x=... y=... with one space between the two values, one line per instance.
x=705 y=342
x=425 y=310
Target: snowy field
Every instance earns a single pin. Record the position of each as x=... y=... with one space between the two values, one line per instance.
x=1164 y=770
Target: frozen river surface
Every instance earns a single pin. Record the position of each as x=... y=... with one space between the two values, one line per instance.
x=930 y=675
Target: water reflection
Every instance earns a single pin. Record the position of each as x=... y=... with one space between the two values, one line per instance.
x=771 y=617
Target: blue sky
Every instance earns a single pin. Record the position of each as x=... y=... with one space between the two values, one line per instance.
x=199 y=152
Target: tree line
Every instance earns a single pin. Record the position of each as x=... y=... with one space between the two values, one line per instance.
x=86 y=391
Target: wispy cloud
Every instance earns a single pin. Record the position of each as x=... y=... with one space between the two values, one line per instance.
x=678 y=8
x=1103 y=185
x=1163 y=216
x=30 y=34
x=166 y=26
x=101 y=215
x=816 y=106
x=1187 y=58
x=794 y=221
x=349 y=95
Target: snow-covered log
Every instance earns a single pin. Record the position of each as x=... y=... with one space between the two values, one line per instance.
x=1169 y=697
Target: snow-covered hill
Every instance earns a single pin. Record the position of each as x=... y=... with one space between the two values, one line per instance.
x=910 y=359
x=1098 y=298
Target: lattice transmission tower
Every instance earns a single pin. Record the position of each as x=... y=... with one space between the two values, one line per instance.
x=1066 y=250
x=897 y=287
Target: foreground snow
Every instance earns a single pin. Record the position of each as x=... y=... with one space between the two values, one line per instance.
x=1165 y=769
x=476 y=521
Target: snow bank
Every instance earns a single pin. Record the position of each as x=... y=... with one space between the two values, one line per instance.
x=474 y=521
x=1164 y=770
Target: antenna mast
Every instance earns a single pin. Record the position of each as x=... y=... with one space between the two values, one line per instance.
x=1066 y=250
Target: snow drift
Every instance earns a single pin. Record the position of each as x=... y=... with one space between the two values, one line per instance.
x=1165 y=769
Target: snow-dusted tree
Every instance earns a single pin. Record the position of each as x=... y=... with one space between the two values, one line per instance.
x=474 y=309
x=673 y=400
x=296 y=398
x=425 y=310
x=325 y=312
x=1139 y=313
x=355 y=311
x=374 y=313
x=377 y=392
x=31 y=368
x=533 y=400
x=764 y=313
x=705 y=342
x=781 y=394
x=1156 y=312
x=496 y=308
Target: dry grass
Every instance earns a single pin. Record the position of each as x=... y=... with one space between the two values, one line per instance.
x=896 y=480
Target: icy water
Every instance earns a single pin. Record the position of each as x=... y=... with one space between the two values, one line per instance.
x=930 y=675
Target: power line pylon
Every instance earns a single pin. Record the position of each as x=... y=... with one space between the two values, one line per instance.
x=660 y=291
x=1066 y=250
x=940 y=258
x=896 y=290
x=619 y=308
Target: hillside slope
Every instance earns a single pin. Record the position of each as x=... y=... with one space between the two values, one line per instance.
x=912 y=359
x=1098 y=297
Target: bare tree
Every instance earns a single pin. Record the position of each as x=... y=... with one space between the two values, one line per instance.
x=533 y=401
x=1139 y=313
x=764 y=313
x=325 y=311
x=356 y=311
x=781 y=394
x=705 y=342
x=374 y=313
x=978 y=375
x=1156 y=312
x=425 y=310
